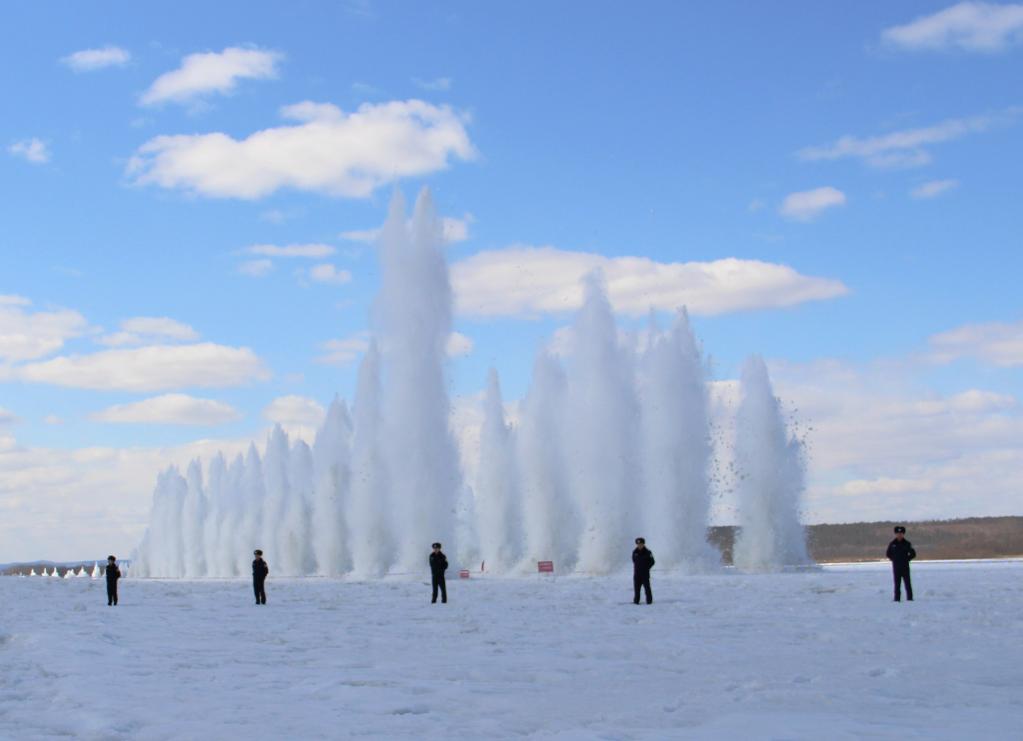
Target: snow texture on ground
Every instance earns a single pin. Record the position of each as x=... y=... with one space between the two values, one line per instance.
x=824 y=654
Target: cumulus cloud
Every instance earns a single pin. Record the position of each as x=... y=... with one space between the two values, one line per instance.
x=149 y=330
x=152 y=368
x=906 y=148
x=458 y=345
x=212 y=72
x=996 y=343
x=327 y=273
x=291 y=250
x=439 y=84
x=295 y=411
x=452 y=230
x=174 y=409
x=532 y=281
x=933 y=188
x=882 y=445
x=26 y=335
x=64 y=504
x=968 y=26
x=256 y=268
x=809 y=204
x=344 y=351
x=7 y=417
x=327 y=151
x=31 y=150
x=88 y=60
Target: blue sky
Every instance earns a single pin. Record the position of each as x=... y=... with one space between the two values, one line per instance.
x=861 y=164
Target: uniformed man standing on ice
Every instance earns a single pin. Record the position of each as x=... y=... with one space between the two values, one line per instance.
x=642 y=562
x=438 y=565
x=900 y=553
x=113 y=574
x=260 y=570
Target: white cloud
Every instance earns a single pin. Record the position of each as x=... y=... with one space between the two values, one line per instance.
x=291 y=250
x=174 y=409
x=531 y=281
x=970 y=26
x=933 y=188
x=328 y=151
x=211 y=72
x=149 y=330
x=7 y=417
x=327 y=273
x=32 y=150
x=13 y=300
x=295 y=411
x=53 y=419
x=344 y=351
x=367 y=236
x=28 y=336
x=458 y=345
x=997 y=343
x=439 y=84
x=456 y=230
x=68 y=503
x=256 y=268
x=906 y=148
x=152 y=368
x=452 y=230
x=881 y=445
x=808 y=204
x=88 y=60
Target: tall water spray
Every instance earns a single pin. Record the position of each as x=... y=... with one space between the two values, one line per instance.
x=603 y=416
x=770 y=465
x=413 y=321
x=498 y=504
x=551 y=525
x=368 y=504
x=613 y=445
x=676 y=448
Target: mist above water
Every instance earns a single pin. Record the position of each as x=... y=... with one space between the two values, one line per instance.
x=609 y=443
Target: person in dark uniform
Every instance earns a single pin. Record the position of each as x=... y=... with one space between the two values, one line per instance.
x=113 y=574
x=259 y=573
x=900 y=553
x=642 y=562
x=438 y=565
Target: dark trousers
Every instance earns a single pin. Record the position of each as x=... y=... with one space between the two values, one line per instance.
x=257 y=587
x=111 y=593
x=439 y=583
x=642 y=580
x=901 y=574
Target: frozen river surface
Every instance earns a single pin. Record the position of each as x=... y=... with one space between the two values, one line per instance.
x=813 y=655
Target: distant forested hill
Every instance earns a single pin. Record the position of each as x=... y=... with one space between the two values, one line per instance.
x=972 y=537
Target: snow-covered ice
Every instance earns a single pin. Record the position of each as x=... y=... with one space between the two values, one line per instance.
x=821 y=654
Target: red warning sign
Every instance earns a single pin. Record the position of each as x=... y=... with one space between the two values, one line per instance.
x=463 y=574
x=545 y=567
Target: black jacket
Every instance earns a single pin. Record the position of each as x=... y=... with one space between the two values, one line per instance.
x=113 y=573
x=438 y=563
x=259 y=569
x=900 y=553
x=642 y=561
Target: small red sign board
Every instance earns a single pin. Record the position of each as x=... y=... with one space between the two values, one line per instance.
x=545 y=567
x=463 y=574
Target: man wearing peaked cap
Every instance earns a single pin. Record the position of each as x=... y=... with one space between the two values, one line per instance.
x=113 y=574
x=900 y=553
x=260 y=571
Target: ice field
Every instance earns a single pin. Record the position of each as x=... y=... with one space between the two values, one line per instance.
x=822 y=654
